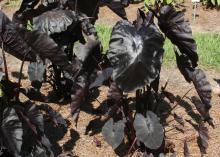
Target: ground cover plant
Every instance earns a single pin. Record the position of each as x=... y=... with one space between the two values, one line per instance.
x=132 y=64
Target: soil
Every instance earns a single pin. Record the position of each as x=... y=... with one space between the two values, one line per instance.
x=82 y=144
x=208 y=20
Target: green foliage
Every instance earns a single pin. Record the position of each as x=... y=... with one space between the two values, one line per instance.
x=162 y=2
x=211 y=3
x=12 y=4
x=104 y=33
x=207 y=44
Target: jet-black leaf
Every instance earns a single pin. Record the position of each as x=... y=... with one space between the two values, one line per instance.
x=203 y=87
x=177 y=29
x=135 y=54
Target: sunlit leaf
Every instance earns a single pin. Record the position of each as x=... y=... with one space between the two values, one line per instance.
x=54 y=21
x=149 y=130
x=136 y=55
x=113 y=132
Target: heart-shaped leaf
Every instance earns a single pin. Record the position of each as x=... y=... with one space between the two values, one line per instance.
x=54 y=21
x=149 y=130
x=113 y=132
x=36 y=71
x=135 y=54
x=13 y=40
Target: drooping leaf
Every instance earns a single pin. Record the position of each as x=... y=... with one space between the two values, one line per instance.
x=113 y=132
x=13 y=40
x=45 y=46
x=36 y=70
x=203 y=87
x=177 y=29
x=202 y=109
x=183 y=64
x=101 y=77
x=186 y=149
x=203 y=138
x=24 y=45
x=54 y=21
x=12 y=131
x=179 y=119
x=149 y=130
x=136 y=55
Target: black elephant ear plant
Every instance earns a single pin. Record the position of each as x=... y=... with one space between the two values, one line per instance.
x=136 y=55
